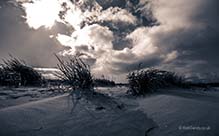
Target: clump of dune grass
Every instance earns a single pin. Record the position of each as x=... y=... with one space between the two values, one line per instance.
x=16 y=72
x=8 y=78
x=146 y=81
x=75 y=72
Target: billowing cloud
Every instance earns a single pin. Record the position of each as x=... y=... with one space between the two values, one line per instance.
x=118 y=35
x=116 y=15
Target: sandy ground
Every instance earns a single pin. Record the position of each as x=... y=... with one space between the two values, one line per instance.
x=58 y=116
x=175 y=112
x=16 y=96
x=183 y=112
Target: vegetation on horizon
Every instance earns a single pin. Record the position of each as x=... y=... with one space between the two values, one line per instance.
x=104 y=82
x=14 y=72
x=146 y=81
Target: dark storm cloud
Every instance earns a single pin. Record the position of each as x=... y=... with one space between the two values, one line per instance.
x=196 y=40
x=120 y=42
x=125 y=66
x=112 y=3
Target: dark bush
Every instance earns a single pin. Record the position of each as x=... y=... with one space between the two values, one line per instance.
x=75 y=73
x=8 y=78
x=15 y=72
x=146 y=81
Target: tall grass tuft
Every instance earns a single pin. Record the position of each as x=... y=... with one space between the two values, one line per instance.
x=16 y=72
x=142 y=82
x=75 y=72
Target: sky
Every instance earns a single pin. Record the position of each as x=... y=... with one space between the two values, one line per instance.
x=115 y=36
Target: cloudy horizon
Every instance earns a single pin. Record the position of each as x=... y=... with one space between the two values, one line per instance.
x=114 y=36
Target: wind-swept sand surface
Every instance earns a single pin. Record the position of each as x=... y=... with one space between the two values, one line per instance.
x=55 y=117
x=183 y=112
x=166 y=113
x=10 y=96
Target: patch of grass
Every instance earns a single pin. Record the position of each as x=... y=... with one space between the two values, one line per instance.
x=15 y=72
x=142 y=82
x=75 y=72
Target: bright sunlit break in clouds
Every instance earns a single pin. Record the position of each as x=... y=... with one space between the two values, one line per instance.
x=41 y=13
x=115 y=36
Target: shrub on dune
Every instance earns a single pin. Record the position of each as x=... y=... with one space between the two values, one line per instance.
x=75 y=72
x=16 y=72
x=146 y=81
